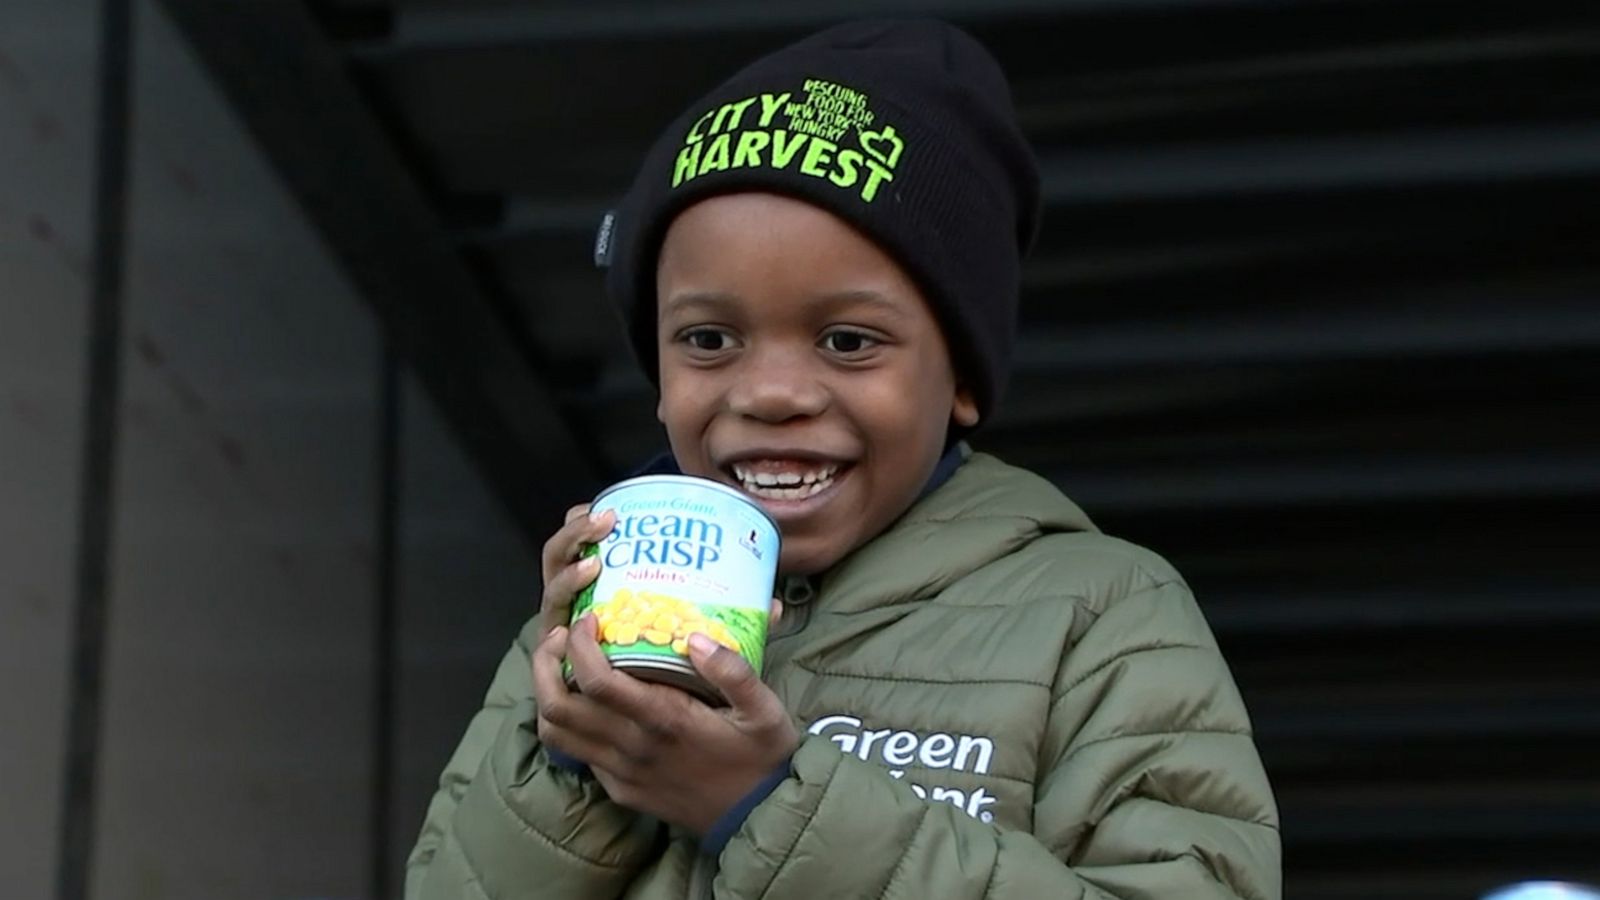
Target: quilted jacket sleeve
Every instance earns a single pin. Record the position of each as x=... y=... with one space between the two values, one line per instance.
x=1150 y=787
x=505 y=824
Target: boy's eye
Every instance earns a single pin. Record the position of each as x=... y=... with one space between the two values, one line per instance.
x=706 y=340
x=848 y=342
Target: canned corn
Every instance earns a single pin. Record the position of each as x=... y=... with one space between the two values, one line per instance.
x=686 y=555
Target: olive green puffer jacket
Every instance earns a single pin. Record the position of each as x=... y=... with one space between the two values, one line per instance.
x=999 y=702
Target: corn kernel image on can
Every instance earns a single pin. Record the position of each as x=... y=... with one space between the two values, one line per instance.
x=686 y=554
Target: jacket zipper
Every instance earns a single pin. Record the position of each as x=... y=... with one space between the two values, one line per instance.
x=702 y=874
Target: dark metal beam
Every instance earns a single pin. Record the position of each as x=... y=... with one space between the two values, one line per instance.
x=1321 y=164
x=455 y=27
x=1297 y=484
x=1382 y=720
x=289 y=85
x=1465 y=321
x=1265 y=612
x=1395 y=59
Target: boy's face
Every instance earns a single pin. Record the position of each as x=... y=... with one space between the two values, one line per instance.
x=801 y=365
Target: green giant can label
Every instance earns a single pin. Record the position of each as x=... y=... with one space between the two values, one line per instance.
x=686 y=555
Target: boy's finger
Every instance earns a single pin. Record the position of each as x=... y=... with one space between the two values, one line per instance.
x=618 y=692
x=730 y=674
x=555 y=606
x=588 y=749
x=591 y=668
x=549 y=687
x=774 y=615
x=589 y=662
x=569 y=580
x=554 y=644
x=564 y=546
x=573 y=713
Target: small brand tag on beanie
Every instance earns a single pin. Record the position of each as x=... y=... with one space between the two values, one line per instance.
x=602 y=240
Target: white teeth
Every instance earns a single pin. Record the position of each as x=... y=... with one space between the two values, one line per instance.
x=822 y=475
x=800 y=492
x=783 y=479
x=788 y=485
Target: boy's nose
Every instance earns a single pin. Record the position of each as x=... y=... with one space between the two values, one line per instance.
x=777 y=387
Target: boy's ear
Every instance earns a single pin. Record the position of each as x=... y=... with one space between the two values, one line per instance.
x=964 y=411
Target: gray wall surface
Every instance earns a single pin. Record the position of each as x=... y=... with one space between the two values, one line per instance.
x=47 y=56
x=240 y=648
x=467 y=581
x=238 y=752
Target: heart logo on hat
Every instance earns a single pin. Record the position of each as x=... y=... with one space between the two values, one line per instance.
x=873 y=142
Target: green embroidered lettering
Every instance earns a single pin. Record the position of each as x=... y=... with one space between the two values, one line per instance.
x=751 y=143
x=829 y=133
x=770 y=105
x=783 y=154
x=716 y=155
x=737 y=109
x=818 y=154
x=885 y=145
x=688 y=164
x=815 y=126
x=848 y=160
x=878 y=176
x=716 y=121
x=694 y=131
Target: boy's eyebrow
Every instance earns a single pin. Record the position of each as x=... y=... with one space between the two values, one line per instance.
x=831 y=300
x=863 y=297
x=691 y=299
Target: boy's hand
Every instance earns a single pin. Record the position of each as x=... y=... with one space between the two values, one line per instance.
x=564 y=573
x=656 y=749
x=564 y=576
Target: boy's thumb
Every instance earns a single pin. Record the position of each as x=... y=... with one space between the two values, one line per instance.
x=728 y=672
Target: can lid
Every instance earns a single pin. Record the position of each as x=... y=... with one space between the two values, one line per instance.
x=697 y=482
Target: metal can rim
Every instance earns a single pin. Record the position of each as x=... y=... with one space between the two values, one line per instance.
x=693 y=481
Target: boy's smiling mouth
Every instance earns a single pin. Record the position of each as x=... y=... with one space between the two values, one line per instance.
x=782 y=480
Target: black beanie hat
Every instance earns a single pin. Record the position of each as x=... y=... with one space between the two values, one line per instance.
x=904 y=129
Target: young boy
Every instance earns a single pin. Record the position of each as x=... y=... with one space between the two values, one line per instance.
x=970 y=691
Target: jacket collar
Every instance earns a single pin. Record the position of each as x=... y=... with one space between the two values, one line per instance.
x=975 y=509
x=985 y=510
